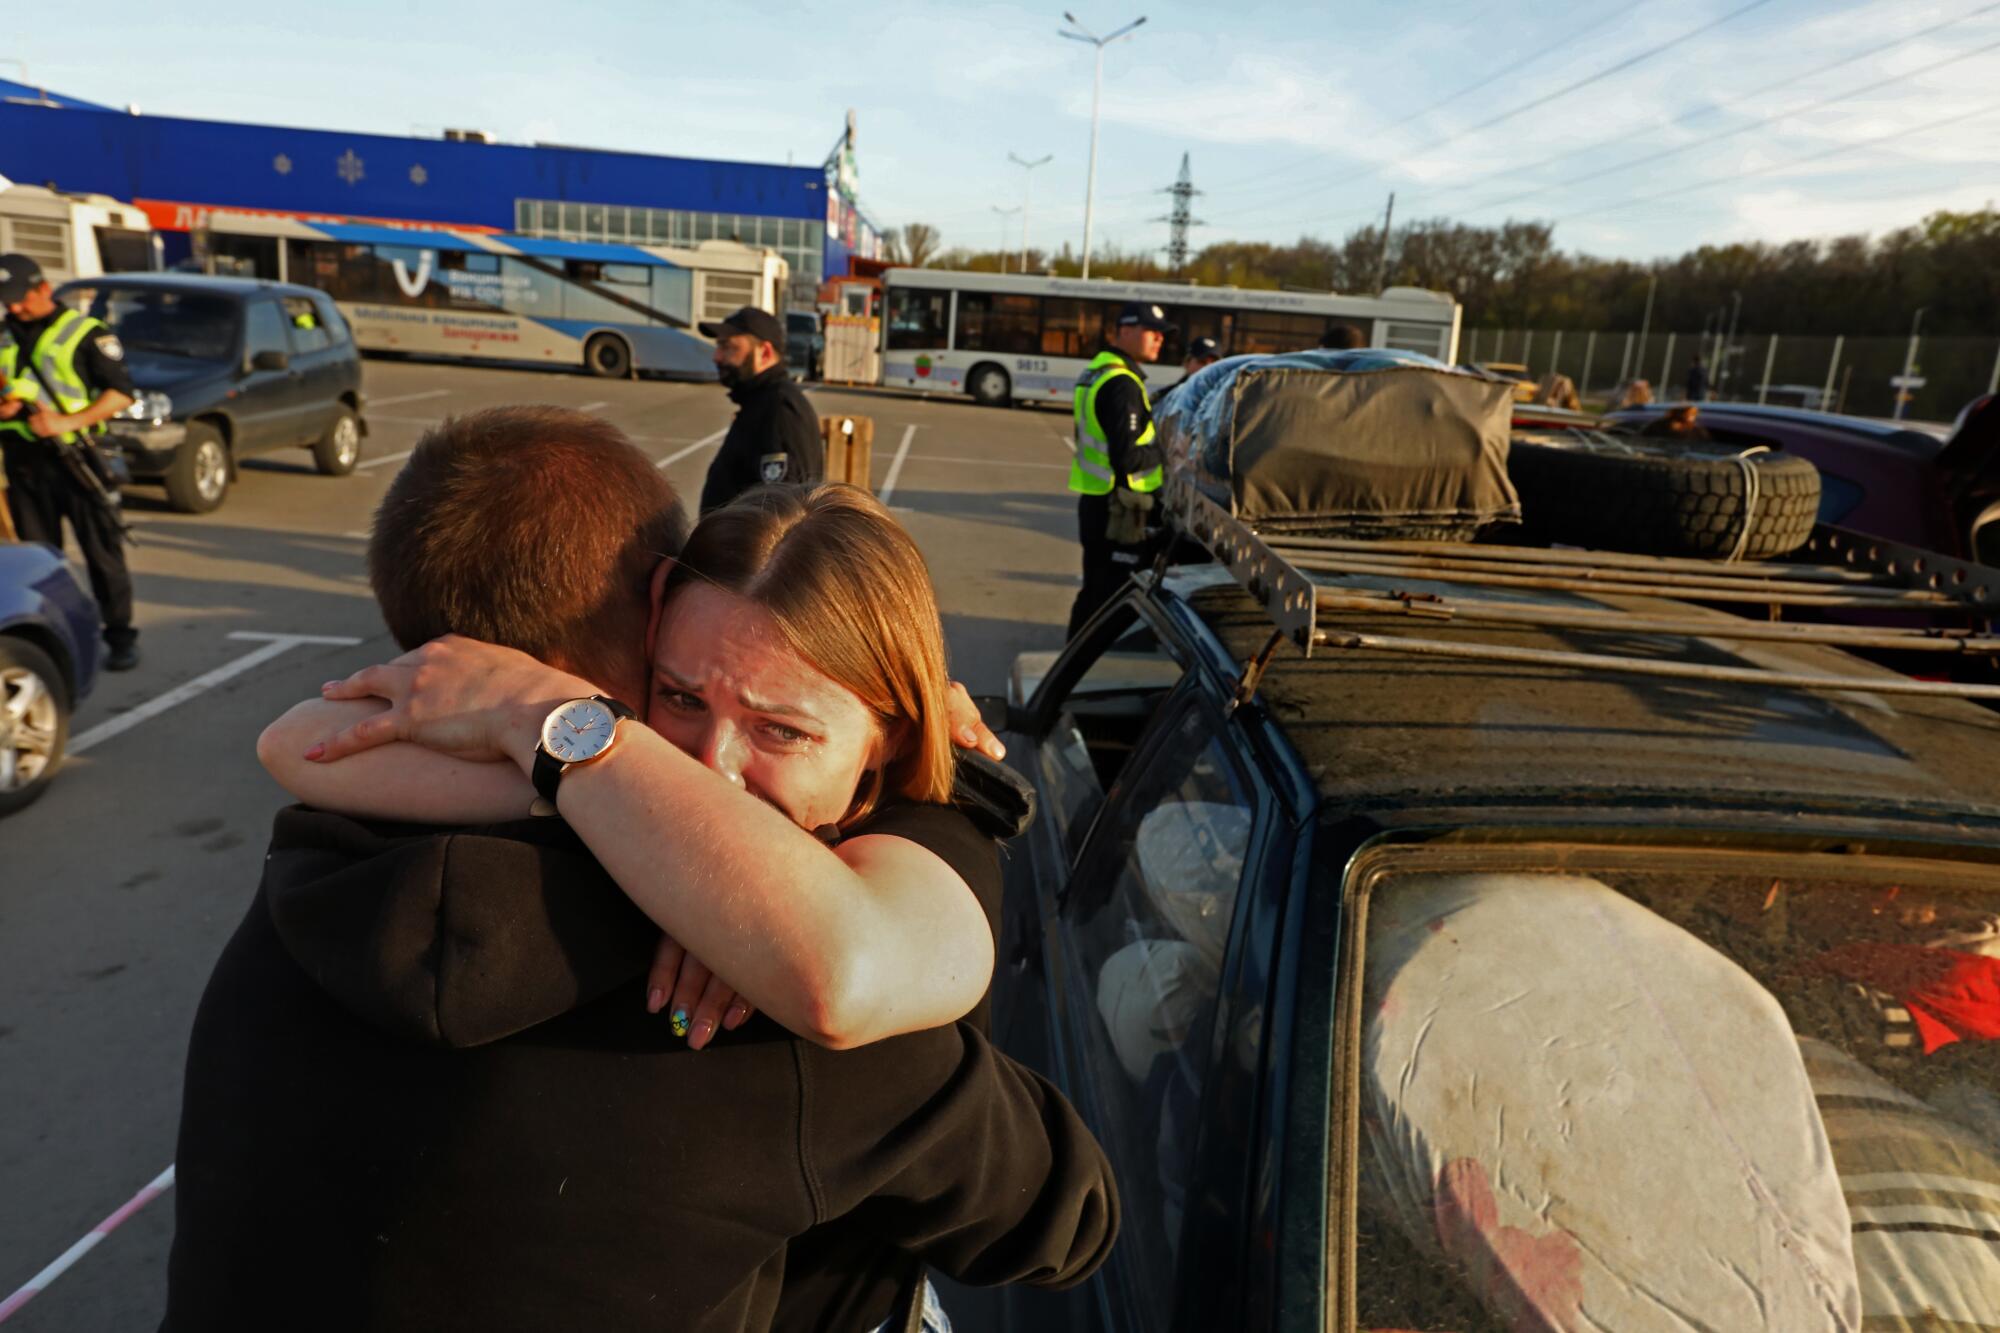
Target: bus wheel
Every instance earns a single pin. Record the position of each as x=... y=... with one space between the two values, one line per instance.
x=607 y=357
x=989 y=386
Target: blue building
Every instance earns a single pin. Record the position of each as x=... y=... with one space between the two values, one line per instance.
x=180 y=170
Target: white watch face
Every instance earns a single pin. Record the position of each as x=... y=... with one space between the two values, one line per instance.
x=579 y=731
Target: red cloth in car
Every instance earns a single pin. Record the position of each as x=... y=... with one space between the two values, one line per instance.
x=1951 y=996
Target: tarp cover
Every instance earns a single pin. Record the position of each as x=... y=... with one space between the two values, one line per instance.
x=1593 y=1118
x=1369 y=444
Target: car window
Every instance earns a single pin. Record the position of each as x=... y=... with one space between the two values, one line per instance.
x=302 y=319
x=330 y=317
x=1146 y=921
x=1099 y=719
x=188 y=326
x=1595 y=1083
x=1838 y=497
x=263 y=329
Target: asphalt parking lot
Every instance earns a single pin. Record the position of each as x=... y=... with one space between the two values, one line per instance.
x=118 y=888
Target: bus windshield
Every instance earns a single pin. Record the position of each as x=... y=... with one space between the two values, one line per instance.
x=191 y=326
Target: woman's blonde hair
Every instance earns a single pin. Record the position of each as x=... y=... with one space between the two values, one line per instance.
x=851 y=594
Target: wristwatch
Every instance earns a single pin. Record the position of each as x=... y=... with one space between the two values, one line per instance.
x=575 y=733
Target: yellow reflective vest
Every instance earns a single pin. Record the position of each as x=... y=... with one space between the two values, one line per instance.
x=1090 y=469
x=54 y=354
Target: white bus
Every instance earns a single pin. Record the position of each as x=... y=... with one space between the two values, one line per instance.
x=608 y=308
x=75 y=235
x=1013 y=338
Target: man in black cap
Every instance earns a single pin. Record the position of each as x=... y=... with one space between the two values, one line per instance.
x=1116 y=467
x=62 y=376
x=1201 y=354
x=775 y=436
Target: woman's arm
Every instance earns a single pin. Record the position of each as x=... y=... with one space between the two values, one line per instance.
x=397 y=781
x=846 y=946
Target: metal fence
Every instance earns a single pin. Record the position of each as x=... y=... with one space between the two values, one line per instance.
x=1838 y=373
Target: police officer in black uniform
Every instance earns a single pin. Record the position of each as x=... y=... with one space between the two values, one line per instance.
x=65 y=376
x=1116 y=469
x=775 y=436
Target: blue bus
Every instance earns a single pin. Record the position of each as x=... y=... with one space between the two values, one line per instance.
x=611 y=309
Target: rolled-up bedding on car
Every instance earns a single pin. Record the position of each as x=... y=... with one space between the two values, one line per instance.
x=1370 y=443
x=1590 y=1117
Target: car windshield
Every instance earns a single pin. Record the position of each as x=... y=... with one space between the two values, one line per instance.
x=194 y=326
x=1759 y=1092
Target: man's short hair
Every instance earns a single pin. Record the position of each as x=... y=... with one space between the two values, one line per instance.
x=533 y=527
x=1343 y=337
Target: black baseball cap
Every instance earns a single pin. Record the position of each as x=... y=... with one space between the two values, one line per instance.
x=752 y=321
x=1146 y=315
x=1204 y=347
x=19 y=275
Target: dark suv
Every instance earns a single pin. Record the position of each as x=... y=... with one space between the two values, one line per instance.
x=227 y=367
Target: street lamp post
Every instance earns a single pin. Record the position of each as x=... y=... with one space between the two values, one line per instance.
x=1646 y=324
x=1083 y=34
x=1027 y=189
x=1004 y=213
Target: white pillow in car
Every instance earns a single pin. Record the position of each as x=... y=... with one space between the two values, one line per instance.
x=1191 y=860
x=1595 y=1119
x=1149 y=994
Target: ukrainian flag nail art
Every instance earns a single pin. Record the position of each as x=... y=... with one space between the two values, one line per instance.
x=678 y=1021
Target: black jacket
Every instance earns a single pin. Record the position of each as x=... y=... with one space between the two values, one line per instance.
x=337 y=1170
x=775 y=437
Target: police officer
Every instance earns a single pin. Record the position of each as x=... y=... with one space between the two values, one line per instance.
x=1201 y=354
x=775 y=436
x=1116 y=468
x=65 y=376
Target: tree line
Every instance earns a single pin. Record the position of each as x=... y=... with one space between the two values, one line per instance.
x=1513 y=276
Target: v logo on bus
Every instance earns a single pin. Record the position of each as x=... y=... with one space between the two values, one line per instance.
x=414 y=286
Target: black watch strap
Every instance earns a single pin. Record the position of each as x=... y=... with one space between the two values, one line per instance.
x=547 y=771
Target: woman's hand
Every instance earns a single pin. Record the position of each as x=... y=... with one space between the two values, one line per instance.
x=968 y=728
x=454 y=695
x=702 y=1002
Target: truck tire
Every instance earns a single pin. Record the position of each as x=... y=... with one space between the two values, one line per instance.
x=607 y=357
x=34 y=722
x=990 y=385
x=1658 y=497
x=337 y=451
x=199 y=477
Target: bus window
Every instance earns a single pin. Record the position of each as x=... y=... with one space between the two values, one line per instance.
x=241 y=256
x=989 y=323
x=462 y=261
x=1196 y=322
x=1071 y=327
x=1268 y=331
x=917 y=318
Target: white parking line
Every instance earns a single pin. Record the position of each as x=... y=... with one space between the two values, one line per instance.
x=273 y=644
x=988 y=462
x=592 y=407
x=383 y=461
x=404 y=421
x=701 y=443
x=896 y=467
x=1066 y=442
x=34 y=1286
x=407 y=398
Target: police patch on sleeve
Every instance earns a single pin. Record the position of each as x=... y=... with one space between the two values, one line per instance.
x=110 y=347
x=771 y=467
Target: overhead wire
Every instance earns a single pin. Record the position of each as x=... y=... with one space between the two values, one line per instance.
x=1546 y=98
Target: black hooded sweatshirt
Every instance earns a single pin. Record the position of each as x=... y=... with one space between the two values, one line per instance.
x=338 y=1170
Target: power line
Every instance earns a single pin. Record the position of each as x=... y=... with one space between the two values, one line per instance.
x=1731 y=133
x=1871 y=50
x=1680 y=190
x=1546 y=98
x=1513 y=68
x=1767 y=120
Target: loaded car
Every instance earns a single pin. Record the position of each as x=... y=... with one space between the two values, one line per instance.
x=1437 y=946
x=226 y=368
x=48 y=662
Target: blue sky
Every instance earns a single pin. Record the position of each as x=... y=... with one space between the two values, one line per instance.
x=1298 y=117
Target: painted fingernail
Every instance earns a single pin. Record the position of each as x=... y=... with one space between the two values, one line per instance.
x=703 y=1030
x=654 y=999
x=678 y=1021
x=737 y=1016
x=327 y=685
x=316 y=751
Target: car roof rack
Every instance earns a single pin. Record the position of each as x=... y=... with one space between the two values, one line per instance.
x=1841 y=570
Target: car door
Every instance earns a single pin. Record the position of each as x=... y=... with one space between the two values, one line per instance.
x=1152 y=817
x=268 y=398
x=318 y=363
